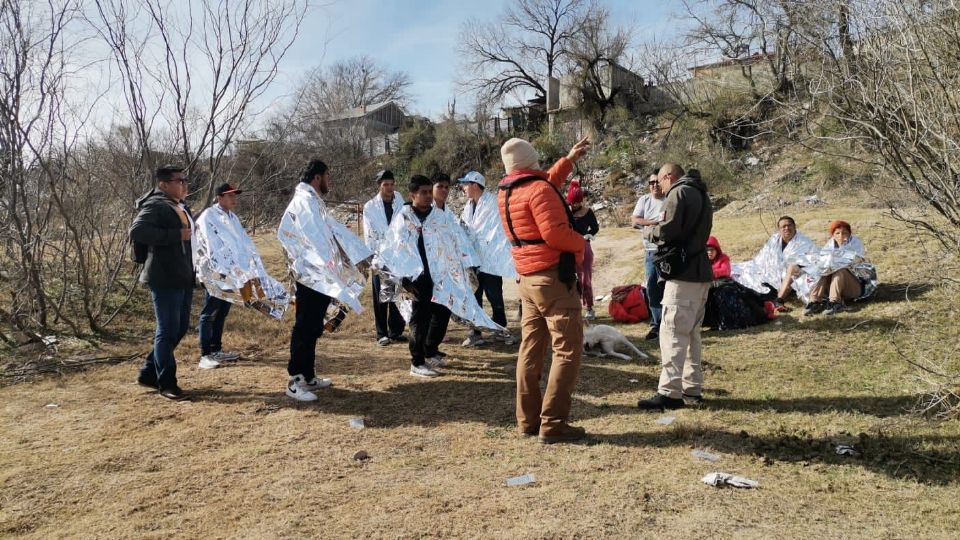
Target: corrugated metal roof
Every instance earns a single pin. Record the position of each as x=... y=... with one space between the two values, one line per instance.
x=360 y=112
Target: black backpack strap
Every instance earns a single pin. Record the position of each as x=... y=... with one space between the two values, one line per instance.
x=508 y=189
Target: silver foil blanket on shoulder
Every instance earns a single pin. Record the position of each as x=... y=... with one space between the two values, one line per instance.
x=322 y=253
x=449 y=262
x=490 y=240
x=229 y=266
x=769 y=267
x=830 y=259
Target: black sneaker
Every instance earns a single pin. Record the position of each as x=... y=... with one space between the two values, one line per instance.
x=174 y=393
x=660 y=402
x=833 y=308
x=692 y=401
x=654 y=333
x=148 y=383
x=399 y=339
x=814 y=307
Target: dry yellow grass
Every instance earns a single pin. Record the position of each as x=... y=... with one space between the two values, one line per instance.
x=242 y=460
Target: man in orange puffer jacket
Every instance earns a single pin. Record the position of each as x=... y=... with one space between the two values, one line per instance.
x=536 y=220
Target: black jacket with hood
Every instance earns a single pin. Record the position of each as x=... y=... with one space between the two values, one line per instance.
x=687 y=221
x=169 y=262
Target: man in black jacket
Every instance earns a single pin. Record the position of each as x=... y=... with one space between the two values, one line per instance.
x=164 y=225
x=686 y=224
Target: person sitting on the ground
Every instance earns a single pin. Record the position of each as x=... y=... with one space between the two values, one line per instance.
x=778 y=264
x=719 y=260
x=730 y=305
x=841 y=273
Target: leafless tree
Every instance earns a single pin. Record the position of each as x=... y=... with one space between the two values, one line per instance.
x=348 y=84
x=196 y=70
x=596 y=52
x=518 y=50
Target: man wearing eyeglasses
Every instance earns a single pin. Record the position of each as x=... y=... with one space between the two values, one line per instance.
x=649 y=211
x=164 y=225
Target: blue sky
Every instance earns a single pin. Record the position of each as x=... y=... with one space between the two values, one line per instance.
x=420 y=38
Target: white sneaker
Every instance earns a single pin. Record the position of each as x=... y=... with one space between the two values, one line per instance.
x=436 y=362
x=317 y=383
x=225 y=356
x=298 y=390
x=590 y=315
x=208 y=362
x=506 y=338
x=423 y=371
x=384 y=341
x=473 y=340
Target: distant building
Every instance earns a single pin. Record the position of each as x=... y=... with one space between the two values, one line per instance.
x=375 y=128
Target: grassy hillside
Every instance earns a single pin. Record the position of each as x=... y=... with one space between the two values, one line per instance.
x=113 y=460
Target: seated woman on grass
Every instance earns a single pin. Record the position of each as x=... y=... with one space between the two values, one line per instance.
x=841 y=273
x=730 y=305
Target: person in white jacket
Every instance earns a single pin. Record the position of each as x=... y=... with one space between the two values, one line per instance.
x=378 y=212
x=231 y=271
x=481 y=215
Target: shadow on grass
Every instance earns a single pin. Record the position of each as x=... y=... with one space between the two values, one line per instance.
x=928 y=459
x=879 y=406
x=900 y=292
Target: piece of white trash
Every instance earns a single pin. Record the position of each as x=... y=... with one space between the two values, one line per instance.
x=719 y=479
x=521 y=480
x=634 y=381
x=52 y=405
x=843 y=450
x=706 y=456
x=666 y=420
x=357 y=423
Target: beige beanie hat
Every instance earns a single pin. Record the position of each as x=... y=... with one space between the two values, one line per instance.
x=518 y=154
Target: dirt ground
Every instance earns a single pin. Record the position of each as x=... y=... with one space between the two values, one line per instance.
x=91 y=454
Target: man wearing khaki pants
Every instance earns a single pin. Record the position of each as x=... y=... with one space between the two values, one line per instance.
x=687 y=220
x=546 y=251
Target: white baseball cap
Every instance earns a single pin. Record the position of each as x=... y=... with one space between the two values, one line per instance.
x=474 y=177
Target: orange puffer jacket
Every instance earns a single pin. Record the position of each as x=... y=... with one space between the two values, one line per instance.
x=537 y=213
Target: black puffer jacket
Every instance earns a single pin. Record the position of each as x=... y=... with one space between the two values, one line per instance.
x=169 y=262
x=687 y=221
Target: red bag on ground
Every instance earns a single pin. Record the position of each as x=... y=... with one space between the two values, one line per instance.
x=628 y=304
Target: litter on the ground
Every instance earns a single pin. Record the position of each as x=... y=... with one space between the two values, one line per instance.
x=52 y=405
x=634 y=381
x=521 y=480
x=666 y=420
x=357 y=423
x=719 y=479
x=847 y=450
x=49 y=340
x=706 y=456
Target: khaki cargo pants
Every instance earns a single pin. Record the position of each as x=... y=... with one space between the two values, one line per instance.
x=684 y=303
x=551 y=316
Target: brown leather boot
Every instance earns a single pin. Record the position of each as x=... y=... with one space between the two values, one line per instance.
x=562 y=433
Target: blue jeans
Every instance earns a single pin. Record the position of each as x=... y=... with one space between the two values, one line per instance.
x=654 y=291
x=491 y=286
x=171 y=307
x=212 y=317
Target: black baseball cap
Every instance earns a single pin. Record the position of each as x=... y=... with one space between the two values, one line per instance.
x=385 y=174
x=223 y=189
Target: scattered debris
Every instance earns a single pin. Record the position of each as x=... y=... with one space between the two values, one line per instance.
x=361 y=455
x=634 y=381
x=602 y=298
x=52 y=406
x=847 y=450
x=719 y=479
x=666 y=420
x=751 y=161
x=49 y=340
x=521 y=480
x=813 y=200
x=267 y=409
x=704 y=455
x=357 y=423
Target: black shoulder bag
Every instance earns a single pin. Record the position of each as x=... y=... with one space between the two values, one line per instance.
x=671 y=261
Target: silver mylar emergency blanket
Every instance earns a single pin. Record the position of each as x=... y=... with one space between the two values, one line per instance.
x=465 y=242
x=490 y=240
x=229 y=266
x=449 y=264
x=375 y=220
x=770 y=264
x=830 y=259
x=321 y=252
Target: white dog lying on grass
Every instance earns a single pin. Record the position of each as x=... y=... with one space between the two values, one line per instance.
x=601 y=340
